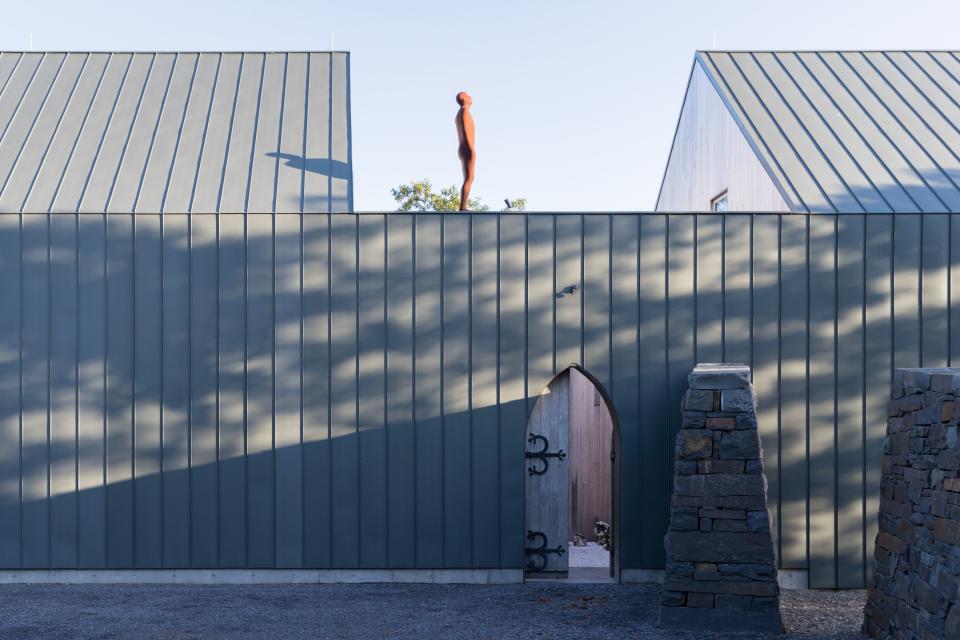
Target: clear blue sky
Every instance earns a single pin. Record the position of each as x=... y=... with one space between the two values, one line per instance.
x=575 y=102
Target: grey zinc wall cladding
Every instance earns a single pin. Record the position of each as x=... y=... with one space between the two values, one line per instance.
x=175 y=132
x=352 y=390
x=849 y=131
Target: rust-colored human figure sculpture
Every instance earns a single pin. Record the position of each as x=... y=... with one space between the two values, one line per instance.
x=467 y=150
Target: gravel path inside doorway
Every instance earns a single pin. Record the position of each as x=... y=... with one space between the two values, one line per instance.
x=421 y=612
x=589 y=555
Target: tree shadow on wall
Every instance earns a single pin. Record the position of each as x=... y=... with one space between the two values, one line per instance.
x=221 y=304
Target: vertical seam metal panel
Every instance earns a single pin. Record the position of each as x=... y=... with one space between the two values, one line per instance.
x=413 y=378
x=23 y=95
x=106 y=364
x=20 y=412
x=163 y=382
x=103 y=136
x=668 y=477
x=229 y=136
x=469 y=369
x=640 y=425
x=443 y=409
x=836 y=402
x=830 y=128
x=306 y=125
x=863 y=398
x=153 y=137
x=49 y=337
x=912 y=110
x=920 y=297
x=497 y=399
x=330 y=132
x=126 y=141
x=553 y=306
x=36 y=117
x=449 y=248
x=246 y=387
x=253 y=137
x=583 y=289
x=73 y=147
x=189 y=527
x=899 y=122
x=925 y=97
x=356 y=379
x=30 y=79
x=203 y=136
x=176 y=145
x=779 y=389
x=853 y=126
x=76 y=394
x=386 y=378
x=806 y=259
x=883 y=133
x=13 y=70
x=349 y=136
x=824 y=156
x=749 y=258
x=133 y=381
x=217 y=434
x=723 y=289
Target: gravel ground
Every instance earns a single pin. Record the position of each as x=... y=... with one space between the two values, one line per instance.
x=423 y=612
x=589 y=555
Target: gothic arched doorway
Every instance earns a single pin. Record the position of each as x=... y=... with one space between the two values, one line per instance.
x=572 y=480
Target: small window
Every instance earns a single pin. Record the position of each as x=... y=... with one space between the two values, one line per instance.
x=719 y=203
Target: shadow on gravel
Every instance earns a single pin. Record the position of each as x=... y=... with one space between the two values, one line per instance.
x=421 y=612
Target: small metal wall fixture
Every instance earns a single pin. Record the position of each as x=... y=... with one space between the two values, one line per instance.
x=541 y=455
x=538 y=561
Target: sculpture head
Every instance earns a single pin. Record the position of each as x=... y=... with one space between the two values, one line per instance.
x=464 y=99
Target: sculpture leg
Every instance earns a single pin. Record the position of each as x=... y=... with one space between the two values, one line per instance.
x=468 y=171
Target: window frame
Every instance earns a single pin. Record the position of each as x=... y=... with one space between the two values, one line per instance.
x=723 y=196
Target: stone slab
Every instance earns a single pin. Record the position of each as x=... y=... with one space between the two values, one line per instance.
x=699 y=400
x=737 y=400
x=746 y=588
x=740 y=445
x=720 y=484
x=719 y=376
x=738 y=547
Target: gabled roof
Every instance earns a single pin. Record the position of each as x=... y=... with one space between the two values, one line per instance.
x=174 y=132
x=849 y=131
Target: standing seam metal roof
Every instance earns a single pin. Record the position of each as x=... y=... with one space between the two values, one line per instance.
x=849 y=131
x=175 y=132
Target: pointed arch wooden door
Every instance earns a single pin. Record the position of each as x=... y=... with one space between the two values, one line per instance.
x=548 y=499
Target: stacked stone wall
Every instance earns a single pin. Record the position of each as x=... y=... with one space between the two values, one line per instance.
x=915 y=587
x=720 y=572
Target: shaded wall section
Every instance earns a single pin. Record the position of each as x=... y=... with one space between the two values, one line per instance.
x=341 y=390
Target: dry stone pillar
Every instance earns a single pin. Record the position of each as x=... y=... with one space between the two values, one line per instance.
x=721 y=574
x=915 y=590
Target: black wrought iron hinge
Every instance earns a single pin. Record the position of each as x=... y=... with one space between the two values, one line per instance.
x=541 y=455
x=539 y=553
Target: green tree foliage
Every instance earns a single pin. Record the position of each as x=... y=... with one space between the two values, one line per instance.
x=419 y=196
